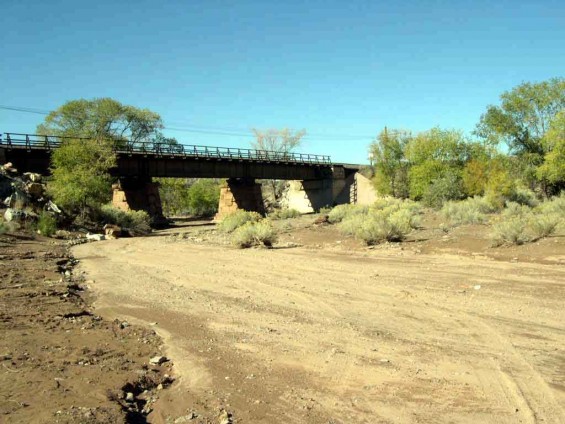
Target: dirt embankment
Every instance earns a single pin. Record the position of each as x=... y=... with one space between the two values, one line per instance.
x=342 y=335
x=60 y=362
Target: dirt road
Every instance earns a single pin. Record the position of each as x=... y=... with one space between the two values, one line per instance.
x=327 y=336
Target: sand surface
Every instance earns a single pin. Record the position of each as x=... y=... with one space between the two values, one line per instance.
x=301 y=335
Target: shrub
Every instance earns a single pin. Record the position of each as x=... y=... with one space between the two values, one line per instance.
x=541 y=226
x=47 y=224
x=235 y=220
x=469 y=211
x=391 y=204
x=203 y=197
x=510 y=231
x=254 y=234
x=350 y=225
x=338 y=213
x=391 y=223
x=405 y=220
x=554 y=206
x=136 y=221
x=379 y=227
x=376 y=229
x=516 y=209
x=284 y=214
x=523 y=196
x=445 y=188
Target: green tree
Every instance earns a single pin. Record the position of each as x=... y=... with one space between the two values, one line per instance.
x=102 y=118
x=81 y=174
x=553 y=167
x=173 y=193
x=81 y=168
x=189 y=196
x=522 y=119
x=204 y=197
x=436 y=159
x=391 y=165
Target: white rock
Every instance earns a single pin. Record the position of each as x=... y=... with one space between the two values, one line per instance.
x=95 y=237
x=158 y=360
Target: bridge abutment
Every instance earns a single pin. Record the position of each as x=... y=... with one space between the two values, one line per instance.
x=240 y=193
x=135 y=194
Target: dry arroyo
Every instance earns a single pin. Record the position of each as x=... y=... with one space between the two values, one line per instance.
x=317 y=336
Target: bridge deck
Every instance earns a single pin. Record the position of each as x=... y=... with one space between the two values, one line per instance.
x=32 y=152
x=48 y=142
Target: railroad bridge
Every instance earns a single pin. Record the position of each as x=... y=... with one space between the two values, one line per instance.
x=316 y=181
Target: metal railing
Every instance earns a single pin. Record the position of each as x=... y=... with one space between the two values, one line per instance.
x=50 y=142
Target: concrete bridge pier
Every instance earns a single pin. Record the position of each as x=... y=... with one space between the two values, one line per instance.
x=139 y=194
x=309 y=195
x=240 y=193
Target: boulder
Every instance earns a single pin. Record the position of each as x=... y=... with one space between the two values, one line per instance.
x=13 y=215
x=112 y=231
x=31 y=176
x=35 y=189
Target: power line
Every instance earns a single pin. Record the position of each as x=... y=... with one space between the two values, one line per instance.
x=24 y=109
x=212 y=131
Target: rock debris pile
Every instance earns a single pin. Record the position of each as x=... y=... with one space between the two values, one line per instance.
x=25 y=196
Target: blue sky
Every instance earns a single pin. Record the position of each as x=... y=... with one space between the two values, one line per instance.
x=342 y=70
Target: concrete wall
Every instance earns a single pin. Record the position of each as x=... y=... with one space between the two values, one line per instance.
x=365 y=191
x=308 y=196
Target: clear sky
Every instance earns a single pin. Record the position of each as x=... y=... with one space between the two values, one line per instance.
x=342 y=70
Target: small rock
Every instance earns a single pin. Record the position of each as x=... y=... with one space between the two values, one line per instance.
x=158 y=360
x=225 y=417
x=124 y=324
x=186 y=418
x=130 y=397
x=95 y=237
x=477 y=287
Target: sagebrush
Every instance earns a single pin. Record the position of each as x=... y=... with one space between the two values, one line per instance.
x=284 y=214
x=388 y=219
x=236 y=219
x=136 y=221
x=470 y=211
x=254 y=233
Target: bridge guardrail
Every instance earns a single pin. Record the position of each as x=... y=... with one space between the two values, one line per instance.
x=51 y=142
